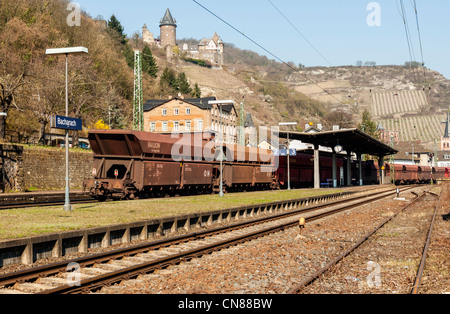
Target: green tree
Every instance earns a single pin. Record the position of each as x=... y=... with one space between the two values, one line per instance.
x=368 y=125
x=183 y=84
x=149 y=65
x=128 y=53
x=168 y=81
x=117 y=29
x=197 y=93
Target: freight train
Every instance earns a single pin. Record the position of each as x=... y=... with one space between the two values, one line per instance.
x=409 y=174
x=132 y=164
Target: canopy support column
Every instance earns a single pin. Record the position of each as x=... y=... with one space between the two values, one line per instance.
x=349 y=168
x=334 y=170
x=360 y=169
x=316 y=167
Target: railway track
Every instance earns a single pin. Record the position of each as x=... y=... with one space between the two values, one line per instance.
x=299 y=288
x=417 y=282
x=44 y=203
x=91 y=273
x=42 y=199
x=34 y=199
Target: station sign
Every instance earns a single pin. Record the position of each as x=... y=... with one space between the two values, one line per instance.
x=66 y=123
x=285 y=152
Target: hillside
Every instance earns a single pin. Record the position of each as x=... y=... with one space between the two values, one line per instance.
x=32 y=84
x=273 y=91
x=101 y=83
x=399 y=97
x=269 y=100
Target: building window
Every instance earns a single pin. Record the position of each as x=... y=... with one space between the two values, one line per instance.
x=152 y=126
x=164 y=112
x=175 y=112
x=164 y=126
x=200 y=125
x=188 y=125
x=176 y=126
x=188 y=111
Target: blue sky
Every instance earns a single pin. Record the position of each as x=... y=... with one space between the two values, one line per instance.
x=338 y=29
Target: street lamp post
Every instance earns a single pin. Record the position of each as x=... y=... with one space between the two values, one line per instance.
x=66 y=52
x=220 y=103
x=288 y=152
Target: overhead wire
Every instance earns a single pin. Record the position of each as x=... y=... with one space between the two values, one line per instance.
x=300 y=33
x=267 y=51
x=408 y=37
x=414 y=4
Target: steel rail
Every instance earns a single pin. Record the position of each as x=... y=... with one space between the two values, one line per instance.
x=52 y=269
x=417 y=282
x=44 y=203
x=316 y=275
x=96 y=283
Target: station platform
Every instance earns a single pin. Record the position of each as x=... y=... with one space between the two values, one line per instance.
x=38 y=196
x=27 y=235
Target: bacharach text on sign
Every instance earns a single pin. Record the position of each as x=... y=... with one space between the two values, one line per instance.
x=67 y=123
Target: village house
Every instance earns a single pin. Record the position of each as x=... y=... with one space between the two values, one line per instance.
x=178 y=115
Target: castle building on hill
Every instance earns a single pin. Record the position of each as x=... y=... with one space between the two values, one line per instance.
x=148 y=37
x=168 y=32
x=210 y=50
x=168 y=28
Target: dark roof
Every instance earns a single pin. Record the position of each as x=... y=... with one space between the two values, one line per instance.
x=350 y=139
x=443 y=155
x=249 y=121
x=168 y=19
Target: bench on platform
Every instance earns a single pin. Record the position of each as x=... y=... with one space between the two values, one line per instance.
x=327 y=184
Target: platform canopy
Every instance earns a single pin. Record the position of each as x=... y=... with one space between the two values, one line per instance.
x=348 y=140
x=352 y=140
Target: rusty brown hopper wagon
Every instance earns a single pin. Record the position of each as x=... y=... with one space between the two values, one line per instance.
x=130 y=164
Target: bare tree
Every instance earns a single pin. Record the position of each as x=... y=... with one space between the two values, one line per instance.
x=341 y=118
x=47 y=98
x=8 y=86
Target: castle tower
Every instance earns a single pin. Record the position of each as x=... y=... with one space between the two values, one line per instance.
x=168 y=26
x=445 y=141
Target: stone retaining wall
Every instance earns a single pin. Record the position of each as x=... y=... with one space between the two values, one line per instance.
x=40 y=168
